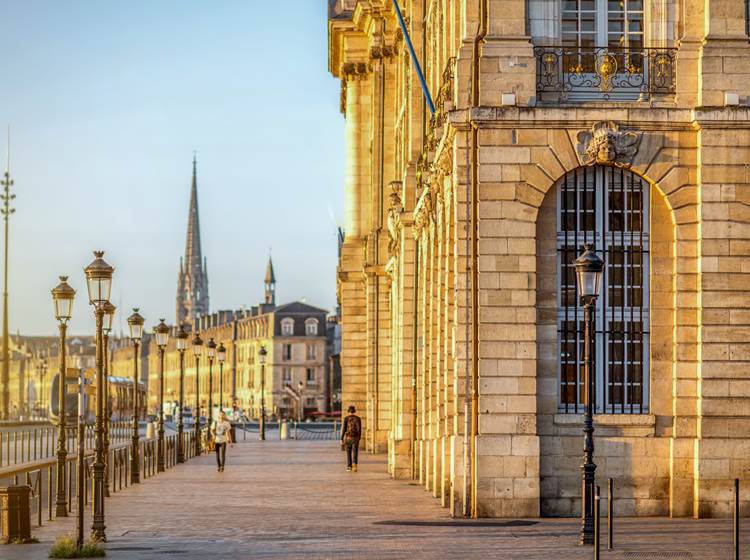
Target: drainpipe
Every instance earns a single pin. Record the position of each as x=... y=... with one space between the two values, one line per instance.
x=414 y=365
x=471 y=397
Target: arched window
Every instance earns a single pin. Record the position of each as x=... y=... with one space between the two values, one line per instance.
x=608 y=207
x=311 y=327
x=287 y=326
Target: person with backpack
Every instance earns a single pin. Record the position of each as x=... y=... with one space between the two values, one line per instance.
x=351 y=431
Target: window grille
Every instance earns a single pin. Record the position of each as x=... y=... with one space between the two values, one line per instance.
x=608 y=207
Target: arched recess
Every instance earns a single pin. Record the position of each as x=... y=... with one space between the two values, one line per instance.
x=632 y=224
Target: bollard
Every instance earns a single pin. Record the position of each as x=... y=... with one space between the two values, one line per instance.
x=736 y=519
x=283 y=430
x=610 y=532
x=15 y=513
x=597 y=522
x=149 y=430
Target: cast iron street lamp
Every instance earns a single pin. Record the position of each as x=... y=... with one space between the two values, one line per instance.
x=262 y=353
x=99 y=282
x=81 y=478
x=589 y=268
x=135 y=323
x=197 y=350
x=182 y=341
x=109 y=317
x=221 y=354
x=62 y=296
x=211 y=353
x=162 y=338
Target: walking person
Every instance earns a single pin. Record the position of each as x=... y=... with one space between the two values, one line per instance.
x=222 y=432
x=351 y=431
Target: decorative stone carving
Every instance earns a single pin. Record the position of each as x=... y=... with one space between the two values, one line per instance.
x=353 y=70
x=378 y=52
x=606 y=143
x=395 y=207
x=423 y=213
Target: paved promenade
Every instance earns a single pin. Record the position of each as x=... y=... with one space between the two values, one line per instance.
x=294 y=500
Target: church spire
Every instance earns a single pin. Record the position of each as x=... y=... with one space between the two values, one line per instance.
x=192 y=283
x=193 y=242
x=270 y=283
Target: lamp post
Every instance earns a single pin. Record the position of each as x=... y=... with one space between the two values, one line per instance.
x=211 y=353
x=182 y=340
x=162 y=338
x=135 y=323
x=109 y=317
x=99 y=282
x=6 y=211
x=197 y=350
x=81 y=478
x=589 y=268
x=262 y=353
x=221 y=354
x=62 y=296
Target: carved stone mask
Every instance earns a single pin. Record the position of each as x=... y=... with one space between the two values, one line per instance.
x=606 y=143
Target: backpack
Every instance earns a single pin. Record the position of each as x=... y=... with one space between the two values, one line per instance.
x=352 y=428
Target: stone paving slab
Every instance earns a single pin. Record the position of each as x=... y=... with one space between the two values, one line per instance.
x=295 y=500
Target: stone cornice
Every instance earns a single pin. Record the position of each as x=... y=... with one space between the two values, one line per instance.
x=642 y=118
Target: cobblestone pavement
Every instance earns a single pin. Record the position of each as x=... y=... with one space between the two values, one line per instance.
x=294 y=500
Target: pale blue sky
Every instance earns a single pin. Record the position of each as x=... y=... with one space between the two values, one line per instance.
x=107 y=101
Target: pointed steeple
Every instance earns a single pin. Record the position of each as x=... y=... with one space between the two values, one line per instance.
x=193 y=242
x=192 y=283
x=270 y=283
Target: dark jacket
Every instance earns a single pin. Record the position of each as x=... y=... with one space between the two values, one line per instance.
x=351 y=428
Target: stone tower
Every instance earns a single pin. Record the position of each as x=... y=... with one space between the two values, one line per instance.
x=270 y=284
x=192 y=282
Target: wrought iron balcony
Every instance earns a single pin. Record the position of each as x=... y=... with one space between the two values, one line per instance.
x=573 y=74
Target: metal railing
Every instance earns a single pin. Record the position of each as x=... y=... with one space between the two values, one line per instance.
x=32 y=444
x=41 y=474
x=570 y=74
x=315 y=430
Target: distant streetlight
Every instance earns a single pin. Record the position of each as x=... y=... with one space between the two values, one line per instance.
x=135 y=323
x=262 y=354
x=589 y=268
x=197 y=351
x=221 y=354
x=62 y=297
x=162 y=338
x=99 y=283
x=211 y=353
x=182 y=342
x=109 y=317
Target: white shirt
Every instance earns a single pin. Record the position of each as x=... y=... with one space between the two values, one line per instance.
x=220 y=431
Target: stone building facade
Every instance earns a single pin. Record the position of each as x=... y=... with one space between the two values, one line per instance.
x=34 y=361
x=556 y=123
x=294 y=334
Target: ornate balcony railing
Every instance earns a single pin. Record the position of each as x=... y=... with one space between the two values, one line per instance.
x=571 y=74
